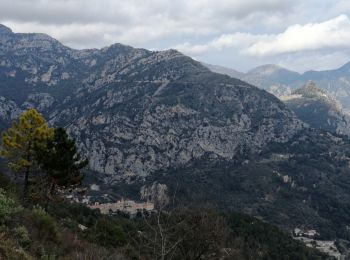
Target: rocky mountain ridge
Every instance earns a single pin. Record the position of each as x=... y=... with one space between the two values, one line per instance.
x=133 y=111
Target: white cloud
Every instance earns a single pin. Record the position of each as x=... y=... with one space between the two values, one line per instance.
x=236 y=40
x=314 y=60
x=91 y=35
x=328 y=35
x=92 y=23
x=234 y=33
x=334 y=33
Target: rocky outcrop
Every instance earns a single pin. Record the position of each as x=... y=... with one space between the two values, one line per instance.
x=319 y=109
x=8 y=110
x=40 y=101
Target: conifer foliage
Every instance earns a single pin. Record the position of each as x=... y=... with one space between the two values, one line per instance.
x=33 y=149
x=60 y=160
x=19 y=143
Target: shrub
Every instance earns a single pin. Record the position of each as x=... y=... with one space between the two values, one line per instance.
x=22 y=236
x=46 y=225
x=7 y=207
x=92 y=251
x=9 y=250
x=107 y=233
x=5 y=181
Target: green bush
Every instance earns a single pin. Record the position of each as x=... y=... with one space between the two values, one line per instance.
x=22 y=236
x=46 y=225
x=74 y=212
x=5 y=181
x=9 y=249
x=8 y=207
x=107 y=233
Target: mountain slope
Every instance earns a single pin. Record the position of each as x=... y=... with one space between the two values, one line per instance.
x=224 y=70
x=336 y=82
x=65 y=230
x=134 y=111
x=318 y=109
x=273 y=78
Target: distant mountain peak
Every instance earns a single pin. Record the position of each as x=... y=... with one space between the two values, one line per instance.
x=224 y=70
x=117 y=47
x=310 y=90
x=267 y=69
x=318 y=108
x=4 y=29
x=345 y=68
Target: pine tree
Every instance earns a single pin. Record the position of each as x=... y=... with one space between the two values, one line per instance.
x=61 y=161
x=20 y=141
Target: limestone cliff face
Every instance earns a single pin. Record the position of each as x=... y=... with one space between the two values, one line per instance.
x=133 y=111
x=158 y=135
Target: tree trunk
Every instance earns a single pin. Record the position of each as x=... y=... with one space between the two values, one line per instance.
x=26 y=185
x=26 y=176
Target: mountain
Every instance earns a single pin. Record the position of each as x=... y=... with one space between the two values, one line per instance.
x=158 y=121
x=224 y=70
x=281 y=82
x=4 y=30
x=318 y=109
x=336 y=82
x=134 y=111
x=272 y=73
x=273 y=78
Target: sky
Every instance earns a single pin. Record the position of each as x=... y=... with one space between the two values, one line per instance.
x=241 y=34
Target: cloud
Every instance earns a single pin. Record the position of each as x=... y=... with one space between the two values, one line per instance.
x=135 y=22
x=328 y=35
x=236 y=40
x=91 y=11
x=334 y=33
x=314 y=60
x=235 y=33
x=90 y=35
